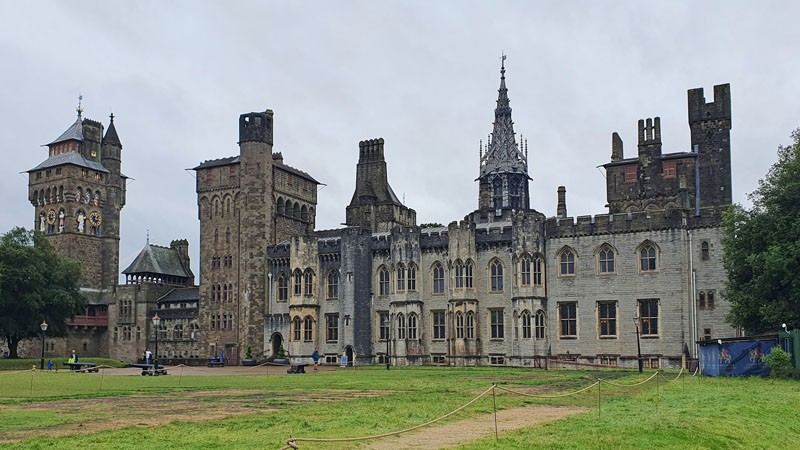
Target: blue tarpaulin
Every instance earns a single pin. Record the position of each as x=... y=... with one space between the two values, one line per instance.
x=734 y=358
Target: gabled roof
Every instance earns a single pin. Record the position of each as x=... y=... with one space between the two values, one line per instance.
x=154 y=259
x=236 y=160
x=181 y=295
x=74 y=132
x=74 y=158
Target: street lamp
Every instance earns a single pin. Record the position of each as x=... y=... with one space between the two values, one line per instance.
x=43 y=326
x=638 y=344
x=156 y=323
x=386 y=324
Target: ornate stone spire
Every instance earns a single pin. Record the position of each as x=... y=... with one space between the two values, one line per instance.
x=502 y=153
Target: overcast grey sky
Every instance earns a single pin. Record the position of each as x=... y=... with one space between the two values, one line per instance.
x=421 y=74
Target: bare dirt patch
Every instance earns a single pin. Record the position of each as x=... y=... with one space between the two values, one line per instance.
x=467 y=430
x=101 y=414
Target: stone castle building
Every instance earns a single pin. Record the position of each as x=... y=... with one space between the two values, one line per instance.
x=507 y=285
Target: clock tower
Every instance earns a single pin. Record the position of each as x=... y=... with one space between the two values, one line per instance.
x=77 y=194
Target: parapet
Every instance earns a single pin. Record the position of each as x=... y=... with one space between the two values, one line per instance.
x=719 y=109
x=256 y=127
x=370 y=150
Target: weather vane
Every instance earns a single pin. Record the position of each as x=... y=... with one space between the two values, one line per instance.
x=79 y=109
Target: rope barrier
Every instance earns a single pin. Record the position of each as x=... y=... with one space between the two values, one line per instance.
x=669 y=380
x=292 y=442
x=630 y=385
x=567 y=394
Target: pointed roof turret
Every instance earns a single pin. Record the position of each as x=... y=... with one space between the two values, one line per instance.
x=111 y=134
x=502 y=153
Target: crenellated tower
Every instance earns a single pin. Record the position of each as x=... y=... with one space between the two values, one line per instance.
x=710 y=125
x=503 y=180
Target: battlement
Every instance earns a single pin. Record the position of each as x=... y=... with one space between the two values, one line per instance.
x=370 y=150
x=256 y=127
x=630 y=222
x=719 y=109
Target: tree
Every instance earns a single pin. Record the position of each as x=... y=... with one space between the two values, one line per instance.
x=762 y=249
x=36 y=284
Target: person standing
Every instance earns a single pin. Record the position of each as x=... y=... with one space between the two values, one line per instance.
x=315 y=357
x=74 y=356
x=148 y=356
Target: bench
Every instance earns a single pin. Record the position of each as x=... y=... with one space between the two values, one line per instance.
x=154 y=371
x=216 y=362
x=81 y=367
x=297 y=368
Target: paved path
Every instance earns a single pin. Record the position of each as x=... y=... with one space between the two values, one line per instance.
x=467 y=430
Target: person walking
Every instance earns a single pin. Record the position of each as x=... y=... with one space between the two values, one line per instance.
x=315 y=357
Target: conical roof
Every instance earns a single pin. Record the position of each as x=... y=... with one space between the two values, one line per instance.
x=111 y=134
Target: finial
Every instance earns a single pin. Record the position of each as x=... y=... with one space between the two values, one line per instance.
x=112 y=117
x=502 y=63
x=148 y=236
x=79 y=108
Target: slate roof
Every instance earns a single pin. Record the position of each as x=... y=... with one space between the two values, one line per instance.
x=236 y=160
x=74 y=132
x=74 y=158
x=111 y=134
x=157 y=260
x=181 y=295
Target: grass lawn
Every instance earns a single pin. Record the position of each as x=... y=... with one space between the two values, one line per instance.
x=99 y=411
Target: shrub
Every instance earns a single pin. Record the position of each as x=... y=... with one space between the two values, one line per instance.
x=780 y=362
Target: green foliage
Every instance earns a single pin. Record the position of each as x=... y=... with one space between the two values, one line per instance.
x=431 y=225
x=779 y=362
x=36 y=284
x=248 y=353
x=281 y=353
x=762 y=249
x=40 y=409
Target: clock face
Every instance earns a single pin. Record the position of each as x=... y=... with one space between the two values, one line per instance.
x=51 y=216
x=95 y=219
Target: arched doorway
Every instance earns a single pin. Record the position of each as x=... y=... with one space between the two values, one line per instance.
x=277 y=343
x=349 y=352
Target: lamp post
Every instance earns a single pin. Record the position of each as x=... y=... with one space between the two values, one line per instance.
x=156 y=323
x=43 y=326
x=638 y=344
x=385 y=323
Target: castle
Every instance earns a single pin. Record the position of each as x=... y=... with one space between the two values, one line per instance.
x=506 y=285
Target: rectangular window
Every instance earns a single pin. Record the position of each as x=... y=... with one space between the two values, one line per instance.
x=669 y=169
x=607 y=318
x=459 y=276
x=497 y=360
x=438 y=359
x=384 y=329
x=630 y=174
x=383 y=282
x=332 y=327
x=496 y=324
x=648 y=316
x=438 y=325
x=568 y=318
x=412 y=278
